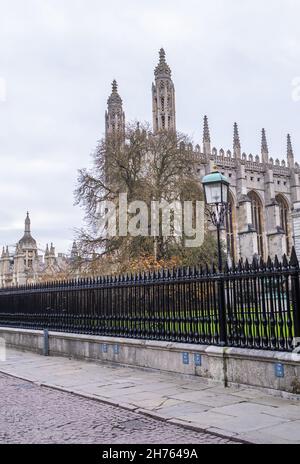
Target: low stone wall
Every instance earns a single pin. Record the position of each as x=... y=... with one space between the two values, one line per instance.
x=228 y=366
x=31 y=340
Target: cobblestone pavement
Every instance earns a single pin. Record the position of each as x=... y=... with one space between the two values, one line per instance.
x=33 y=414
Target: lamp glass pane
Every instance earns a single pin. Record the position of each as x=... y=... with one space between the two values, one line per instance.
x=213 y=193
x=225 y=193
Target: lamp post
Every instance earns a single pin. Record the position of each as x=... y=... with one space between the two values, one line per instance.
x=216 y=188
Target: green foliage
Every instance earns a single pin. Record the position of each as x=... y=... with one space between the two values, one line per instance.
x=206 y=254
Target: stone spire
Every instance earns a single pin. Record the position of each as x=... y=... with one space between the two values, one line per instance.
x=52 y=250
x=236 y=142
x=27 y=240
x=163 y=97
x=18 y=250
x=50 y=259
x=290 y=153
x=114 y=116
x=206 y=138
x=114 y=89
x=27 y=232
x=4 y=265
x=264 y=147
x=162 y=69
x=74 y=251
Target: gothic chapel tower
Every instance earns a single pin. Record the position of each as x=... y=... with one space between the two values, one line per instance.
x=163 y=97
x=114 y=116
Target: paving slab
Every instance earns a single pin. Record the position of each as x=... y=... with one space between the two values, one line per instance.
x=207 y=397
x=238 y=425
x=180 y=410
x=284 y=433
x=244 y=413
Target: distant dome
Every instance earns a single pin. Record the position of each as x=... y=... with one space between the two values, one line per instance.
x=27 y=241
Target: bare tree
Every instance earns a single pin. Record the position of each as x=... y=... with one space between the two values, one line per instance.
x=147 y=168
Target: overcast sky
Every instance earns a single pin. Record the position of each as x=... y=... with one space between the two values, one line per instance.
x=233 y=60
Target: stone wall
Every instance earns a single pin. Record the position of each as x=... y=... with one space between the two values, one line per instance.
x=273 y=371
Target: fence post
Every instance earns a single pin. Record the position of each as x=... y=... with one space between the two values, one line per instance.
x=294 y=264
x=222 y=311
x=46 y=343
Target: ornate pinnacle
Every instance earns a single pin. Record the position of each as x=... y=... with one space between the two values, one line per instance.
x=264 y=143
x=236 y=137
x=236 y=141
x=206 y=133
x=114 y=86
x=206 y=138
x=162 y=69
x=162 y=56
x=290 y=152
x=114 y=97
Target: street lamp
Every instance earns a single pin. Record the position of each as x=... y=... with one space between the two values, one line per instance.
x=216 y=191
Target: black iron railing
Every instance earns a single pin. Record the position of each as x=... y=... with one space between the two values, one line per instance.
x=260 y=306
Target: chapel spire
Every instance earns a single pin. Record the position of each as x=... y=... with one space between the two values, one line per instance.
x=206 y=137
x=163 y=97
x=114 y=116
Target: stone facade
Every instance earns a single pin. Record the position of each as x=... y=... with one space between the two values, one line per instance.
x=27 y=266
x=296 y=227
x=264 y=193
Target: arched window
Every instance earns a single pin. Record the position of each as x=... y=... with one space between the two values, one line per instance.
x=256 y=210
x=283 y=218
x=230 y=228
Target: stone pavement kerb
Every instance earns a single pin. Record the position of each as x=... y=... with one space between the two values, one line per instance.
x=240 y=413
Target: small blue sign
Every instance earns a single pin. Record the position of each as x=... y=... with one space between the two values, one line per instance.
x=116 y=349
x=185 y=358
x=104 y=348
x=198 y=359
x=279 y=370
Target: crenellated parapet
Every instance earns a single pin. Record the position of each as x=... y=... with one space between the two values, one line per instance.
x=231 y=159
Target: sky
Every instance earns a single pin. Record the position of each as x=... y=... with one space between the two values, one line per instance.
x=232 y=60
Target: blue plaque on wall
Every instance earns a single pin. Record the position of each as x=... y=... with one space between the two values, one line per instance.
x=116 y=349
x=279 y=370
x=198 y=359
x=104 y=348
x=185 y=358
